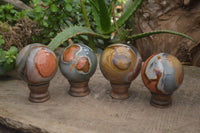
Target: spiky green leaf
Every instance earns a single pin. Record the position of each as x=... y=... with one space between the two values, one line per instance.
x=102 y=15
x=71 y=32
x=158 y=32
x=95 y=12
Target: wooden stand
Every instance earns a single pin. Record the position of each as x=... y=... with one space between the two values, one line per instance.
x=119 y=91
x=161 y=100
x=79 y=88
x=39 y=93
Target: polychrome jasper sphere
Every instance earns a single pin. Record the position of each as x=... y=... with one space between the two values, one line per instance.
x=36 y=64
x=162 y=73
x=120 y=63
x=78 y=62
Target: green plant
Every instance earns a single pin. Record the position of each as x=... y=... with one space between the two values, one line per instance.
x=55 y=15
x=1 y=40
x=10 y=15
x=103 y=13
x=16 y=31
x=7 y=58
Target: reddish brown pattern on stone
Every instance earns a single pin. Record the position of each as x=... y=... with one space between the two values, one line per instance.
x=83 y=64
x=180 y=78
x=137 y=69
x=45 y=62
x=70 y=52
x=151 y=84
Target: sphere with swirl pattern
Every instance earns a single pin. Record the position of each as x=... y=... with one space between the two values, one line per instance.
x=36 y=64
x=120 y=64
x=78 y=63
x=162 y=74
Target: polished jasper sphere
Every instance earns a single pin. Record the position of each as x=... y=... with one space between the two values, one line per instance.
x=78 y=62
x=162 y=73
x=36 y=64
x=120 y=63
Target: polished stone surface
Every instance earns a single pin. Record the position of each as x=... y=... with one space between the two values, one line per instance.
x=162 y=73
x=120 y=63
x=78 y=62
x=36 y=64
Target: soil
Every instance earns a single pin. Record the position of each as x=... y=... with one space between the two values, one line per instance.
x=20 y=34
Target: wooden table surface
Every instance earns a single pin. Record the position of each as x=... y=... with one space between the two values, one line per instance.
x=98 y=112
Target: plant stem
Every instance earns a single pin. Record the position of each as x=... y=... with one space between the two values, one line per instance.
x=90 y=39
x=85 y=14
x=114 y=20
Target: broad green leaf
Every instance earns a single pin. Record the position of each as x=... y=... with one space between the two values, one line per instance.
x=8 y=6
x=44 y=23
x=138 y=36
x=1 y=42
x=51 y=34
x=71 y=32
x=38 y=9
x=45 y=3
x=35 y=2
x=54 y=8
x=67 y=1
x=13 y=50
x=68 y=7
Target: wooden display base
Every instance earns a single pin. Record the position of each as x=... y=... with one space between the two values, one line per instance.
x=79 y=89
x=39 y=93
x=161 y=100
x=119 y=91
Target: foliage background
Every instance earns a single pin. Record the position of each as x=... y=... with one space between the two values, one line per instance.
x=96 y=23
